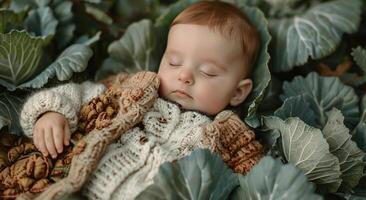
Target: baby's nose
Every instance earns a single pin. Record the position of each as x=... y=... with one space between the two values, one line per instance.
x=186 y=76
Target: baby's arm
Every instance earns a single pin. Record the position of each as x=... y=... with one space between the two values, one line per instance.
x=50 y=116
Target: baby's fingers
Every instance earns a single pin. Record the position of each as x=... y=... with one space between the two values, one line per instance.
x=67 y=134
x=58 y=137
x=39 y=142
x=48 y=136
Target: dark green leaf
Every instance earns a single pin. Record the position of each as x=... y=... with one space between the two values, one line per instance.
x=202 y=175
x=9 y=17
x=66 y=27
x=325 y=93
x=297 y=106
x=19 y=57
x=10 y=106
x=271 y=180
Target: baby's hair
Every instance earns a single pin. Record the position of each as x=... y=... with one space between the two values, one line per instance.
x=229 y=21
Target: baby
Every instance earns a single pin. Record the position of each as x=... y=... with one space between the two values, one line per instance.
x=205 y=68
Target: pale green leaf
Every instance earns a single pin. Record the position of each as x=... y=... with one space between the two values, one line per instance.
x=73 y=59
x=305 y=147
x=314 y=34
x=271 y=180
x=10 y=106
x=42 y=22
x=202 y=175
x=325 y=93
x=347 y=152
x=20 y=54
x=359 y=55
x=297 y=106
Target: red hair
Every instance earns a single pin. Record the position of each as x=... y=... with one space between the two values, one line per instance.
x=228 y=20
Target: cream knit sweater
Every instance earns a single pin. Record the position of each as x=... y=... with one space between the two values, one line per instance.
x=129 y=165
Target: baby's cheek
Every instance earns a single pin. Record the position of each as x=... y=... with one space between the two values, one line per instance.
x=211 y=102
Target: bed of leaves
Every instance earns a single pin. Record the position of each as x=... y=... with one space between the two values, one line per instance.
x=308 y=105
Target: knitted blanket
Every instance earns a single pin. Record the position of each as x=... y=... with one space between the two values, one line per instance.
x=129 y=97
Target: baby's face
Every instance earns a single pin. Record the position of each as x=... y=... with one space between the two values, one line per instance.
x=201 y=69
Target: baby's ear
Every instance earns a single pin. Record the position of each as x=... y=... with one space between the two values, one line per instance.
x=243 y=89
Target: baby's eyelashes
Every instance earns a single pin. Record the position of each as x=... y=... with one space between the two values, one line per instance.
x=208 y=74
x=174 y=64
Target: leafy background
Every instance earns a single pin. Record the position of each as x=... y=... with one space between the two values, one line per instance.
x=308 y=105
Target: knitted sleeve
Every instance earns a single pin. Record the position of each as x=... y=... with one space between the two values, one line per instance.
x=65 y=99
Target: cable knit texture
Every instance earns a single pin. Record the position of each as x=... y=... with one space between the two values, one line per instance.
x=129 y=166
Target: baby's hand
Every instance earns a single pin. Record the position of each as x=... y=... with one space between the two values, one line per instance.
x=51 y=132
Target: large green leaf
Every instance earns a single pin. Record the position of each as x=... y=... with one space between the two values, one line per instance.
x=314 y=34
x=297 y=106
x=271 y=180
x=325 y=93
x=359 y=55
x=42 y=22
x=73 y=59
x=9 y=17
x=20 y=54
x=261 y=75
x=136 y=50
x=305 y=147
x=202 y=175
x=340 y=144
x=10 y=106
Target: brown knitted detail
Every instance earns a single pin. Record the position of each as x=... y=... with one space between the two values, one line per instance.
x=234 y=141
x=130 y=97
